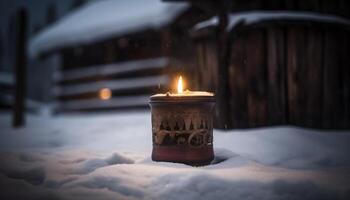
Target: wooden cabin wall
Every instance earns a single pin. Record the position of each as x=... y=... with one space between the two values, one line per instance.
x=130 y=47
x=338 y=7
x=118 y=64
x=285 y=74
x=179 y=46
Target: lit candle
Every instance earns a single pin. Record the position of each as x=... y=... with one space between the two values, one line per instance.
x=182 y=126
x=181 y=92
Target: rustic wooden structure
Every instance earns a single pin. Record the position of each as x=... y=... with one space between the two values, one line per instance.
x=281 y=70
x=133 y=65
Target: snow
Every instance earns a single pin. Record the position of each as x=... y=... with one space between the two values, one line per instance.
x=253 y=17
x=102 y=19
x=107 y=156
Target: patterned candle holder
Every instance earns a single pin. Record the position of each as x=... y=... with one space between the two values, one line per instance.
x=182 y=128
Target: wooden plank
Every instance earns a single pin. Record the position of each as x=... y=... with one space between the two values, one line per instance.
x=344 y=7
x=296 y=75
x=334 y=88
x=332 y=94
x=238 y=83
x=292 y=88
x=290 y=4
x=273 y=5
x=202 y=65
x=200 y=55
x=110 y=52
x=330 y=6
x=222 y=88
x=111 y=69
x=166 y=42
x=207 y=74
x=314 y=80
x=312 y=110
x=345 y=61
x=256 y=78
x=276 y=76
x=309 y=5
x=120 y=102
x=115 y=93
x=210 y=71
x=122 y=84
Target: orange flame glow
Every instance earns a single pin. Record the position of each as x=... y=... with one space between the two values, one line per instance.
x=179 y=85
x=105 y=94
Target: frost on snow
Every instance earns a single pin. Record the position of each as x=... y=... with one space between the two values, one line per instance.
x=108 y=157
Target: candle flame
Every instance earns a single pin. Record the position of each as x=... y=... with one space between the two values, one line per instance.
x=179 y=85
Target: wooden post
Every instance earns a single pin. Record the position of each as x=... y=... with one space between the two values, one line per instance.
x=222 y=88
x=20 y=69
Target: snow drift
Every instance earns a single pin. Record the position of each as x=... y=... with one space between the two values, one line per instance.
x=108 y=157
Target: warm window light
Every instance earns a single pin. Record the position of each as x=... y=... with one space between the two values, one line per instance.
x=179 y=85
x=105 y=94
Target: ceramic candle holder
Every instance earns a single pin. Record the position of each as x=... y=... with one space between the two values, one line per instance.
x=182 y=128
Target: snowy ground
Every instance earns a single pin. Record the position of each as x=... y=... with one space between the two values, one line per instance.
x=108 y=157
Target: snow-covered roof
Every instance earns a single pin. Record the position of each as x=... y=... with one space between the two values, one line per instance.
x=253 y=17
x=101 y=19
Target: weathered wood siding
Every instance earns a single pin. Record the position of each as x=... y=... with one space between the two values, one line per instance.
x=285 y=73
